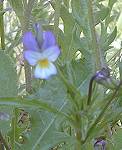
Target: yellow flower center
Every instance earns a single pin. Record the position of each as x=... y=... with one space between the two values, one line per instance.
x=44 y=63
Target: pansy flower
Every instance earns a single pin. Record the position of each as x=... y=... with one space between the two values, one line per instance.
x=41 y=53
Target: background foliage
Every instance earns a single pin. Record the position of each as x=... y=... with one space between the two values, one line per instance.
x=54 y=114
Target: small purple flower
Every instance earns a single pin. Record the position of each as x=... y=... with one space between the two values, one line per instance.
x=41 y=53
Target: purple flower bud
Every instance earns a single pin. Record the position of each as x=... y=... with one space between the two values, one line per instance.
x=39 y=34
x=100 y=144
x=103 y=74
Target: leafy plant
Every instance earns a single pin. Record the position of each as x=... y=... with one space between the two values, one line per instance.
x=80 y=106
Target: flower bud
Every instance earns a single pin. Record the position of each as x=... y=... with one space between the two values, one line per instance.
x=39 y=34
x=100 y=144
x=103 y=74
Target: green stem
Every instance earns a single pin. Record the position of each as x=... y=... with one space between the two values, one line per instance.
x=96 y=50
x=73 y=92
x=13 y=126
x=2 y=28
x=28 y=79
x=71 y=89
x=78 y=132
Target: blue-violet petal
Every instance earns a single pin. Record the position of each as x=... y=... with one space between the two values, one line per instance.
x=48 y=40
x=29 y=42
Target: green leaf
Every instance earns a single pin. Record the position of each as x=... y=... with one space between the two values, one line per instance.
x=48 y=136
x=105 y=38
x=110 y=38
x=40 y=11
x=117 y=137
x=81 y=70
x=5 y=119
x=101 y=15
x=42 y=130
x=67 y=19
x=70 y=28
x=111 y=3
x=8 y=87
x=8 y=77
x=44 y=134
x=24 y=102
x=80 y=14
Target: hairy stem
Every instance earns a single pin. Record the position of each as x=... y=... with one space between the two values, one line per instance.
x=96 y=50
x=25 y=27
